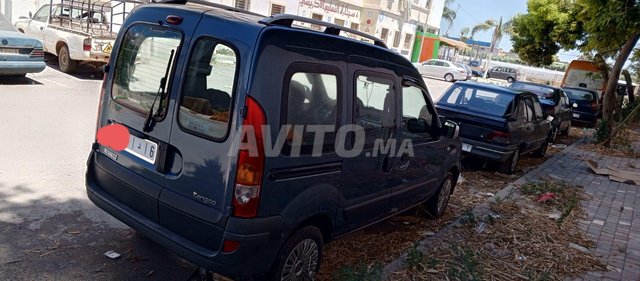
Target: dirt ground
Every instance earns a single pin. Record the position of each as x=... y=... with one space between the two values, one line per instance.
x=383 y=242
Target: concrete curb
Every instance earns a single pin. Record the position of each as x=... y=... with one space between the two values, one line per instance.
x=479 y=211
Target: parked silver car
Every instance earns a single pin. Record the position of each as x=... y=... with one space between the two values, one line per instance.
x=19 y=54
x=442 y=69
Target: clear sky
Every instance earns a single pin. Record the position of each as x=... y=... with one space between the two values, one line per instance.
x=473 y=12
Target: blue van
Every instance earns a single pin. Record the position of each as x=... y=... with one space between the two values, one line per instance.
x=195 y=83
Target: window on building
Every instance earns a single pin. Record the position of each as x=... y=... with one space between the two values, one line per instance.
x=243 y=4
x=316 y=17
x=277 y=9
x=396 y=39
x=407 y=40
x=355 y=26
x=339 y=22
x=390 y=4
x=428 y=5
x=384 y=33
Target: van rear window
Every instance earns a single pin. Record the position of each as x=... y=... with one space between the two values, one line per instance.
x=205 y=107
x=145 y=57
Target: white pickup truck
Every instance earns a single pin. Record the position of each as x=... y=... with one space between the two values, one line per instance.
x=77 y=31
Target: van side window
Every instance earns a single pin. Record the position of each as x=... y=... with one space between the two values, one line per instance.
x=205 y=107
x=312 y=99
x=375 y=107
x=527 y=107
x=415 y=106
x=143 y=59
x=538 y=110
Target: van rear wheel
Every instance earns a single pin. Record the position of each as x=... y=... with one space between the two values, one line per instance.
x=67 y=65
x=300 y=256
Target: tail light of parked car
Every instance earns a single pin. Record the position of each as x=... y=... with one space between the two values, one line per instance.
x=250 y=168
x=499 y=137
x=594 y=106
x=37 y=53
x=86 y=44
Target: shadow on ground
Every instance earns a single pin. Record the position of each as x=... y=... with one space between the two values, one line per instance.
x=84 y=71
x=64 y=243
x=18 y=80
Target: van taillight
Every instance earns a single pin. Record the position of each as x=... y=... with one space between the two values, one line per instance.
x=499 y=137
x=250 y=168
x=86 y=45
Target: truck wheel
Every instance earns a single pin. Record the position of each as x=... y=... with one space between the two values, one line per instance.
x=67 y=65
x=437 y=204
x=510 y=79
x=511 y=164
x=300 y=256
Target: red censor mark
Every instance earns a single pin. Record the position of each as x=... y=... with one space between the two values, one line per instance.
x=115 y=136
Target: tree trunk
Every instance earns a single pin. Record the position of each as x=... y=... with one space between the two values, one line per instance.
x=627 y=79
x=612 y=83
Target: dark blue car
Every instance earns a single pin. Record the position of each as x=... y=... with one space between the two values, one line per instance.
x=555 y=103
x=586 y=106
x=253 y=143
x=496 y=123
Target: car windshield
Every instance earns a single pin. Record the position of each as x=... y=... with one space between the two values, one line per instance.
x=578 y=94
x=542 y=91
x=482 y=100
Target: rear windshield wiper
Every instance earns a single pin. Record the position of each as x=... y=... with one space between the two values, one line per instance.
x=149 y=122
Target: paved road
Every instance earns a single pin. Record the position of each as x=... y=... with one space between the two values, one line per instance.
x=48 y=228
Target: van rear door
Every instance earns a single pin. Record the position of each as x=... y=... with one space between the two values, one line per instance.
x=136 y=95
x=201 y=169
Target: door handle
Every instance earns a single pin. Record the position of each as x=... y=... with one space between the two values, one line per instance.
x=404 y=161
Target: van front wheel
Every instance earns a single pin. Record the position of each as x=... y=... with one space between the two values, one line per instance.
x=300 y=256
x=437 y=204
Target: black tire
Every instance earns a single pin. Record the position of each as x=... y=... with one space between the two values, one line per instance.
x=565 y=132
x=448 y=77
x=509 y=167
x=553 y=134
x=437 y=204
x=66 y=64
x=510 y=79
x=308 y=236
x=540 y=152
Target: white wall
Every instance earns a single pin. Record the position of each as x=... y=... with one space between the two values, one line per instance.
x=435 y=15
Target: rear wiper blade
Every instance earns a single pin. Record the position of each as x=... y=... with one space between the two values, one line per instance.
x=150 y=121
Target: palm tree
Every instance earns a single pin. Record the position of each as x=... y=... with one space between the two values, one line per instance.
x=448 y=15
x=463 y=34
x=499 y=30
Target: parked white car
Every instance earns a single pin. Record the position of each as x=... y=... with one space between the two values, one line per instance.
x=75 y=32
x=442 y=69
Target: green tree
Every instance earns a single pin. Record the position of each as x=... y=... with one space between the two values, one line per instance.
x=500 y=29
x=463 y=34
x=608 y=28
x=448 y=15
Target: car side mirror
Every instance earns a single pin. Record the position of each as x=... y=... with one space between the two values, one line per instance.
x=417 y=125
x=30 y=15
x=451 y=129
x=575 y=105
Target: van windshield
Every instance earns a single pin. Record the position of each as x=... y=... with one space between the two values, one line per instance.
x=577 y=94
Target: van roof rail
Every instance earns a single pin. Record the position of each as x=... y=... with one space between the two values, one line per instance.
x=287 y=20
x=210 y=4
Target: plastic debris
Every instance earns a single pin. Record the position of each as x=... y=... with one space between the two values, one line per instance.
x=112 y=255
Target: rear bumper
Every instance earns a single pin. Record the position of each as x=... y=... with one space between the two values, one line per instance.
x=585 y=118
x=260 y=239
x=490 y=151
x=21 y=67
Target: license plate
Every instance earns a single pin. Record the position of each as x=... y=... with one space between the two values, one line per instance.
x=143 y=149
x=466 y=147
x=576 y=115
x=9 y=51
